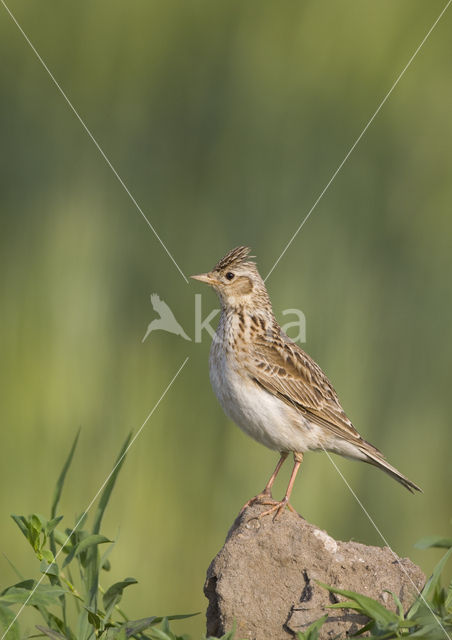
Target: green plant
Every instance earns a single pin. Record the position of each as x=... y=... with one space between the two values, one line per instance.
x=71 y=564
x=312 y=632
x=429 y=617
x=69 y=596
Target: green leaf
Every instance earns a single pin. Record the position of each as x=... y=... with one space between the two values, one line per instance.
x=43 y=595
x=398 y=604
x=105 y=497
x=92 y=559
x=79 y=523
x=22 y=523
x=84 y=630
x=136 y=626
x=434 y=541
x=430 y=631
x=82 y=546
x=51 y=524
x=90 y=541
x=368 y=606
x=104 y=561
x=23 y=584
x=61 y=538
x=47 y=555
x=430 y=586
x=62 y=477
x=449 y=598
x=162 y=635
x=56 y=498
x=50 y=569
x=114 y=594
x=54 y=622
x=367 y=627
x=94 y=619
x=6 y=618
x=312 y=632
x=229 y=635
x=37 y=522
x=76 y=537
x=51 y=633
x=132 y=627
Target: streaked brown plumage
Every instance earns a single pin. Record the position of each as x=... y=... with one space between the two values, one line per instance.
x=268 y=385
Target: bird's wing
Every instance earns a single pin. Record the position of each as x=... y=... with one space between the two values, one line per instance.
x=283 y=369
x=162 y=308
x=155 y=301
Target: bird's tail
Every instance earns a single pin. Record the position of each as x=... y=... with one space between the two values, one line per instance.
x=376 y=458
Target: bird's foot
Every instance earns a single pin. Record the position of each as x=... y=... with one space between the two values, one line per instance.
x=265 y=497
x=277 y=506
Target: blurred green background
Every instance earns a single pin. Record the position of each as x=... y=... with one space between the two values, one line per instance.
x=225 y=120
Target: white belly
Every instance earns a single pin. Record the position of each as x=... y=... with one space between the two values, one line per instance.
x=258 y=413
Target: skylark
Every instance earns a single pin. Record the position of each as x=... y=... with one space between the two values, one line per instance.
x=269 y=386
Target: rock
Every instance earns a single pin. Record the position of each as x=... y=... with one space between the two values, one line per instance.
x=264 y=579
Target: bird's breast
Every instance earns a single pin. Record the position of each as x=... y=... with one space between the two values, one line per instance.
x=257 y=412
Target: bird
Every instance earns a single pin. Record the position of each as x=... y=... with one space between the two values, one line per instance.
x=166 y=321
x=272 y=389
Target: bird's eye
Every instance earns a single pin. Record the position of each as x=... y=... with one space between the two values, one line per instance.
x=229 y=275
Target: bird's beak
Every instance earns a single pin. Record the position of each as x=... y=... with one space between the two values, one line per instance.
x=206 y=277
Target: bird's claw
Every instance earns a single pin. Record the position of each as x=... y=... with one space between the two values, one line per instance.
x=262 y=498
x=275 y=506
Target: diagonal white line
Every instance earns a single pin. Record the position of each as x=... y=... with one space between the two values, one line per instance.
x=371 y=520
x=79 y=118
x=352 y=148
x=98 y=493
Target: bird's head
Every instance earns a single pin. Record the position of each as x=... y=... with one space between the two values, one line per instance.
x=236 y=280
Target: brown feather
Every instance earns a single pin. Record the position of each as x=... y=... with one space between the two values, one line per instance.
x=292 y=375
x=233 y=258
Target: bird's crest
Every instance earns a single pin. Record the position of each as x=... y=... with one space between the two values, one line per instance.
x=233 y=258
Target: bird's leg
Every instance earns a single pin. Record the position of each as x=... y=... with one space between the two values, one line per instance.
x=280 y=506
x=267 y=492
x=268 y=487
